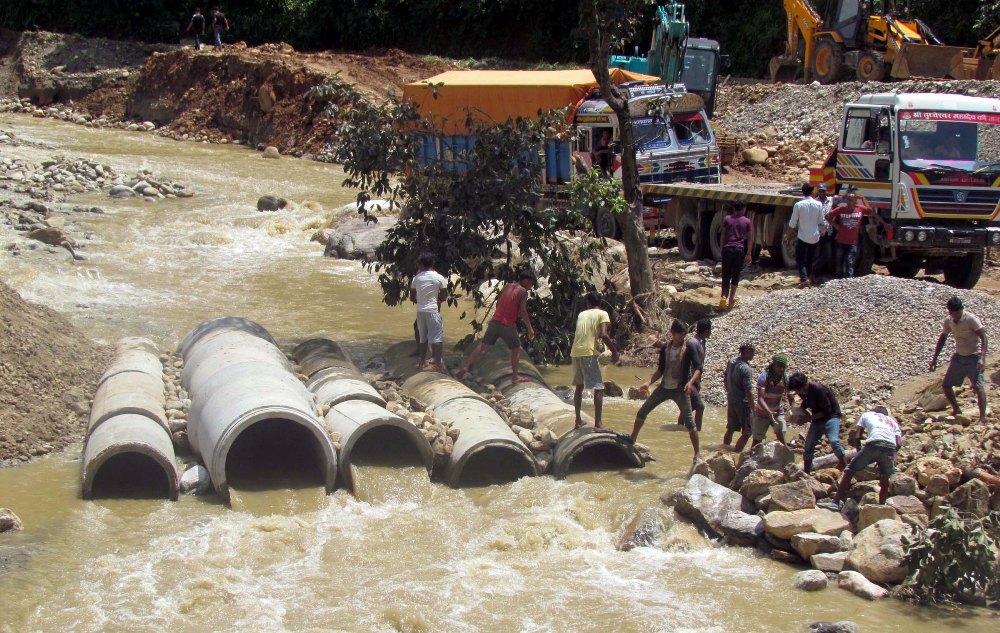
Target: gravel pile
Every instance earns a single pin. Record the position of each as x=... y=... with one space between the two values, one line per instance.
x=871 y=331
x=794 y=111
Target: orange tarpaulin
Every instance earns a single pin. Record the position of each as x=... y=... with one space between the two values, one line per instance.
x=496 y=95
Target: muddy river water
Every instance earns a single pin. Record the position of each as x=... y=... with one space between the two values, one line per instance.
x=535 y=555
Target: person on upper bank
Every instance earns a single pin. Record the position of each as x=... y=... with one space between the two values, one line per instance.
x=511 y=305
x=591 y=330
x=219 y=24
x=737 y=250
x=807 y=225
x=198 y=24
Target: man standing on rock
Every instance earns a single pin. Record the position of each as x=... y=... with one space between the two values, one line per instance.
x=591 y=327
x=694 y=362
x=807 y=224
x=428 y=289
x=824 y=417
x=219 y=24
x=769 y=411
x=884 y=437
x=512 y=303
x=737 y=250
x=198 y=24
x=675 y=385
x=847 y=220
x=969 y=359
x=738 y=379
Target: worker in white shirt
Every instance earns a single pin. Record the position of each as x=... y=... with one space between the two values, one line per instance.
x=807 y=225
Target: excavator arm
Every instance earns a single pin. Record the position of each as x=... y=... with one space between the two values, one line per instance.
x=666 y=53
x=802 y=22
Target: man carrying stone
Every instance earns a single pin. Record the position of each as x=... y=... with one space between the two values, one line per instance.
x=769 y=412
x=807 y=224
x=738 y=379
x=674 y=382
x=824 y=417
x=883 y=439
x=428 y=289
x=969 y=359
x=511 y=305
x=591 y=327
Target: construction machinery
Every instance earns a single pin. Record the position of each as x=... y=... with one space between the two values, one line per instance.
x=675 y=57
x=877 y=39
x=981 y=64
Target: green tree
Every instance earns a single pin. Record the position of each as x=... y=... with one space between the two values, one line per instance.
x=480 y=211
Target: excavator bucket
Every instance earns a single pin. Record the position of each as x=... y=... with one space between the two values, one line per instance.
x=784 y=69
x=926 y=60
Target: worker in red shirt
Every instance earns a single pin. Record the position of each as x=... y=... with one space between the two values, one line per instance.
x=512 y=303
x=847 y=220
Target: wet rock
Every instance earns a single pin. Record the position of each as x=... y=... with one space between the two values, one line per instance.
x=357 y=240
x=642 y=530
x=9 y=522
x=878 y=552
x=723 y=468
x=806 y=544
x=196 y=481
x=844 y=626
x=49 y=235
x=973 y=497
x=759 y=482
x=121 y=191
x=796 y=495
x=271 y=152
x=181 y=442
x=784 y=525
x=271 y=203
x=810 y=580
x=860 y=586
x=767 y=456
x=869 y=514
x=612 y=389
x=832 y=562
x=717 y=510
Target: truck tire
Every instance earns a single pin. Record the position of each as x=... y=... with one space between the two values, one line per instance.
x=903 y=268
x=867 y=253
x=688 y=240
x=715 y=235
x=606 y=225
x=965 y=271
x=871 y=66
x=828 y=61
x=786 y=250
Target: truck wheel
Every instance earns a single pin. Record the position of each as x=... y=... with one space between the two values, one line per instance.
x=871 y=66
x=865 y=260
x=828 y=61
x=606 y=225
x=964 y=272
x=786 y=250
x=904 y=268
x=688 y=243
x=715 y=235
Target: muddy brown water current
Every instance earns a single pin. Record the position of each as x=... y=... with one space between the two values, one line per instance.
x=405 y=554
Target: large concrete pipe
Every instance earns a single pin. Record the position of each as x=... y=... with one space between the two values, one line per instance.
x=357 y=412
x=581 y=449
x=251 y=418
x=486 y=450
x=128 y=451
x=223 y=323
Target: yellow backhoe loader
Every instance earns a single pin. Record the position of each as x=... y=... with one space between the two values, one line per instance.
x=874 y=38
x=981 y=64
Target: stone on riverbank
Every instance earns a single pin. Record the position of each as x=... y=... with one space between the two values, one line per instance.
x=9 y=522
x=271 y=152
x=759 y=482
x=832 y=562
x=871 y=513
x=878 y=552
x=809 y=543
x=796 y=495
x=785 y=525
x=355 y=239
x=195 y=480
x=766 y=456
x=717 y=510
x=810 y=580
x=860 y=586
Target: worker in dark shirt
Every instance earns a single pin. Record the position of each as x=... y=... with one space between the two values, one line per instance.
x=824 y=417
x=219 y=24
x=693 y=368
x=198 y=24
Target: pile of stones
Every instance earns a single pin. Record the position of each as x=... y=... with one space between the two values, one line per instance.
x=146 y=186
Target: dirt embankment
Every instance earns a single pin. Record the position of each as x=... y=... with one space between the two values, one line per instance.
x=48 y=371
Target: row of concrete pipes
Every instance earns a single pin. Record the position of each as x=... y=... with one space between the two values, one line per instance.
x=247 y=406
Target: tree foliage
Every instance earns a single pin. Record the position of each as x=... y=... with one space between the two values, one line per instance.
x=954 y=560
x=481 y=212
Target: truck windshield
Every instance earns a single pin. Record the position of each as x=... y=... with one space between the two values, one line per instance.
x=650 y=133
x=940 y=144
x=699 y=66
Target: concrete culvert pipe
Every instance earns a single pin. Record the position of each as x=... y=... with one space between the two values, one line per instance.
x=321 y=353
x=129 y=392
x=486 y=451
x=582 y=449
x=129 y=455
x=134 y=359
x=333 y=376
x=223 y=323
x=371 y=435
x=252 y=422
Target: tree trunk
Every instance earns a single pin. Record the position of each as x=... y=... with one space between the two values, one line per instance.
x=640 y=274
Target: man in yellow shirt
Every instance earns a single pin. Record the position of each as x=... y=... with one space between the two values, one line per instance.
x=591 y=327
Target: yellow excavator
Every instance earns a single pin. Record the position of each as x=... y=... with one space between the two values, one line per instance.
x=982 y=63
x=874 y=38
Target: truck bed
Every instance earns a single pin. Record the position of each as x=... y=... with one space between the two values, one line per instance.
x=770 y=194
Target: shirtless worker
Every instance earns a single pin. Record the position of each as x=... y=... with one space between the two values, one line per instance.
x=512 y=303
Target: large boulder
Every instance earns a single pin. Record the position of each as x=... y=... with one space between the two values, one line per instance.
x=785 y=525
x=809 y=543
x=723 y=468
x=356 y=239
x=9 y=522
x=878 y=552
x=871 y=513
x=759 y=482
x=49 y=235
x=860 y=586
x=907 y=504
x=832 y=562
x=900 y=484
x=642 y=530
x=795 y=495
x=717 y=510
x=766 y=456
x=926 y=467
x=973 y=497
x=271 y=203
x=810 y=580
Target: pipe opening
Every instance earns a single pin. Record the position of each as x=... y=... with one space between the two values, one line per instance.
x=386 y=446
x=131 y=476
x=385 y=465
x=275 y=453
x=599 y=457
x=494 y=465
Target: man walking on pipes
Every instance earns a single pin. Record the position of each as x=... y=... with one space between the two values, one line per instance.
x=512 y=303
